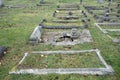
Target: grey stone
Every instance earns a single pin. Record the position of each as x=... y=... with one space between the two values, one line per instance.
x=36 y=35
x=1 y=3
x=100 y=1
x=116 y=40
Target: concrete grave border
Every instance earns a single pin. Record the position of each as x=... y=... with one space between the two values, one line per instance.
x=17 y=6
x=94 y=7
x=105 y=30
x=92 y=71
x=68 y=7
x=65 y=21
x=74 y=15
x=60 y=27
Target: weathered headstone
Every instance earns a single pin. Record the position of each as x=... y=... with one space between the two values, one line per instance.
x=100 y=1
x=107 y=18
x=80 y=1
x=36 y=35
x=42 y=1
x=110 y=1
x=1 y=3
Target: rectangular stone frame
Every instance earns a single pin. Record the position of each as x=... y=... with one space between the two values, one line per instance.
x=105 y=30
x=94 y=7
x=92 y=71
x=77 y=16
x=68 y=7
x=59 y=27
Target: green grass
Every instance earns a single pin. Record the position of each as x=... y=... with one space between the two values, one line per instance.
x=17 y=25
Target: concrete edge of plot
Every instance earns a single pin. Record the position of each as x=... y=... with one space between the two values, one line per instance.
x=107 y=70
x=115 y=40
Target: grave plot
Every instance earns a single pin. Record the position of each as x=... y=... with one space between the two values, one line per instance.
x=35 y=36
x=45 y=3
x=97 y=12
x=66 y=37
x=63 y=24
x=104 y=15
x=68 y=7
x=60 y=37
x=18 y=4
x=111 y=29
x=95 y=7
x=63 y=62
x=107 y=18
x=69 y=1
x=69 y=15
x=115 y=5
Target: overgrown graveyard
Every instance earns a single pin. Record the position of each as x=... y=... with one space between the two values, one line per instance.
x=60 y=40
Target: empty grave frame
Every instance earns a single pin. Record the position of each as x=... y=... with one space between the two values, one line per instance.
x=96 y=70
x=62 y=24
x=111 y=29
x=69 y=15
x=104 y=15
x=95 y=7
x=68 y=7
x=69 y=1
